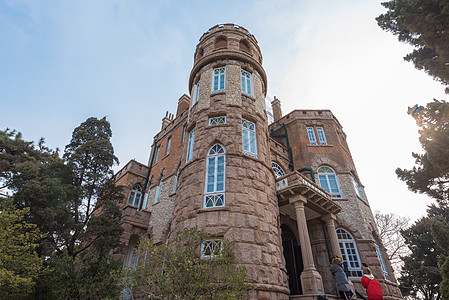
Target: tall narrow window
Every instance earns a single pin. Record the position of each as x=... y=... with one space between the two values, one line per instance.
x=215 y=177
x=219 y=79
x=190 y=145
x=145 y=201
x=321 y=136
x=278 y=171
x=175 y=184
x=246 y=83
x=211 y=248
x=312 y=137
x=357 y=187
x=168 y=146
x=158 y=191
x=381 y=260
x=328 y=181
x=349 y=253
x=135 y=196
x=249 y=138
x=183 y=135
x=157 y=154
x=196 y=92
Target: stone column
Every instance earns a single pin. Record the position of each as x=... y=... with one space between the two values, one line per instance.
x=332 y=233
x=311 y=280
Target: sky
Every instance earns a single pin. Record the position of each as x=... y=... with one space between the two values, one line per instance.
x=62 y=62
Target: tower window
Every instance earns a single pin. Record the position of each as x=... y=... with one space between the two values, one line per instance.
x=246 y=83
x=312 y=137
x=349 y=253
x=135 y=196
x=321 y=136
x=215 y=177
x=157 y=154
x=328 y=181
x=190 y=145
x=211 y=248
x=217 y=120
x=196 y=92
x=381 y=260
x=249 y=138
x=219 y=79
x=278 y=171
x=244 y=45
x=221 y=42
x=358 y=188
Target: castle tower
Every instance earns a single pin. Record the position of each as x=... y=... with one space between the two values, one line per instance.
x=226 y=184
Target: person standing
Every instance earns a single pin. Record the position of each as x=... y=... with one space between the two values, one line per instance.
x=340 y=278
x=371 y=285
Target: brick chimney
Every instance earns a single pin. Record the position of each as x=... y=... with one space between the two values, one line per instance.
x=276 y=107
x=183 y=104
x=167 y=119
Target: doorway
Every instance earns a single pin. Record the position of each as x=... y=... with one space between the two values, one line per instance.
x=293 y=260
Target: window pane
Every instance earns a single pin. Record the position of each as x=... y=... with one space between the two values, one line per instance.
x=333 y=184
x=323 y=183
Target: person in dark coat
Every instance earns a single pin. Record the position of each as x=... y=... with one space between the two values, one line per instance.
x=340 y=278
x=371 y=285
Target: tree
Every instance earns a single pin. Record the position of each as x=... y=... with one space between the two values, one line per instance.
x=179 y=271
x=73 y=200
x=19 y=262
x=423 y=24
x=389 y=227
x=420 y=275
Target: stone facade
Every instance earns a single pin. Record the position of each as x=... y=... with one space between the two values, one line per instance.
x=284 y=225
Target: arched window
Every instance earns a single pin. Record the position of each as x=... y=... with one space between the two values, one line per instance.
x=215 y=177
x=158 y=191
x=349 y=252
x=221 y=42
x=328 y=181
x=357 y=187
x=244 y=45
x=135 y=196
x=381 y=259
x=278 y=171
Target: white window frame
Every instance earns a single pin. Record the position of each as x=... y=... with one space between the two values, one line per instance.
x=277 y=169
x=358 y=189
x=349 y=253
x=249 y=138
x=211 y=248
x=157 y=197
x=219 y=79
x=381 y=260
x=321 y=136
x=157 y=154
x=215 y=196
x=167 y=151
x=145 y=202
x=336 y=193
x=175 y=184
x=190 y=145
x=196 y=92
x=217 y=120
x=311 y=135
x=135 y=196
x=247 y=82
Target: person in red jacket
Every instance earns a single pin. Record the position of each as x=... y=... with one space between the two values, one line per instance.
x=371 y=285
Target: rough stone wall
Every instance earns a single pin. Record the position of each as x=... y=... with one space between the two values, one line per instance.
x=233 y=85
x=205 y=89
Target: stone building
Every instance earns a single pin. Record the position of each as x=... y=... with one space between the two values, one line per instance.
x=287 y=193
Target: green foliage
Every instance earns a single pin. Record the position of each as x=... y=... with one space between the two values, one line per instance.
x=178 y=271
x=440 y=231
x=420 y=275
x=19 y=262
x=73 y=201
x=423 y=24
x=431 y=173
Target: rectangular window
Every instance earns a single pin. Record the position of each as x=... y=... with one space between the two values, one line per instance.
x=219 y=79
x=168 y=146
x=157 y=154
x=196 y=92
x=190 y=145
x=246 y=83
x=249 y=138
x=183 y=135
x=321 y=136
x=312 y=137
x=158 y=191
x=217 y=120
x=211 y=248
